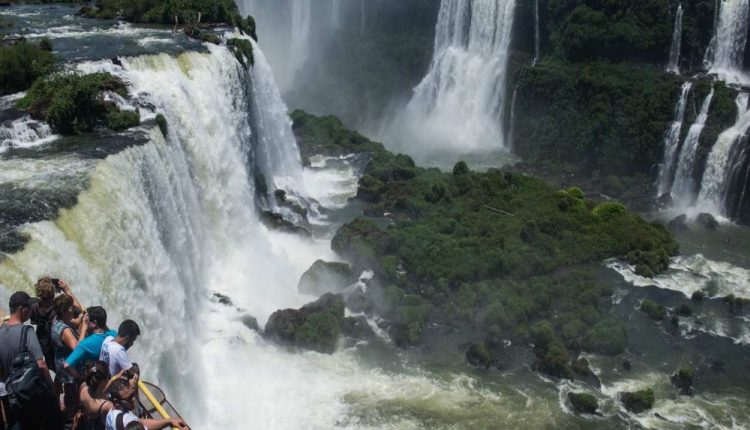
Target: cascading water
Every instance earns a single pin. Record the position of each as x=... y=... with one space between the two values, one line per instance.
x=536 y=33
x=458 y=106
x=23 y=133
x=671 y=142
x=335 y=14
x=300 y=37
x=683 y=187
x=719 y=164
x=726 y=51
x=673 y=66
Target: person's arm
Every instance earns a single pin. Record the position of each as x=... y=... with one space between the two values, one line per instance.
x=68 y=292
x=83 y=326
x=152 y=424
x=45 y=371
x=68 y=339
x=73 y=360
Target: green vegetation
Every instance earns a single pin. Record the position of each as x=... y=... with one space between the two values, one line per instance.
x=161 y=121
x=74 y=103
x=654 y=310
x=495 y=254
x=316 y=326
x=243 y=50
x=638 y=401
x=583 y=403
x=22 y=63
x=683 y=380
x=327 y=136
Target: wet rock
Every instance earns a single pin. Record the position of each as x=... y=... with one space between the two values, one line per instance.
x=627 y=365
x=583 y=403
x=698 y=295
x=683 y=381
x=316 y=326
x=678 y=223
x=638 y=401
x=356 y=301
x=357 y=328
x=275 y=221
x=326 y=277
x=581 y=367
x=479 y=355
x=116 y=61
x=222 y=299
x=684 y=310
x=708 y=221
x=250 y=322
x=666 y=200
x=718 y=367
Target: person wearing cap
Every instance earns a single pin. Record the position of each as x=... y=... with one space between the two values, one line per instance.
x=10 y=346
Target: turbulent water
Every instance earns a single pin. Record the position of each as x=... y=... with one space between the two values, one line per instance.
x=726 y=51
x=673 y=65
x=672 y=141
x=152 y=226
x=458 y=106
x=683 y=187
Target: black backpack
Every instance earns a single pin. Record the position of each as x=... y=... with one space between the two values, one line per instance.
x=25 y=384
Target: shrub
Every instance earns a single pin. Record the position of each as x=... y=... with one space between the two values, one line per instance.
x=119 y=120
x=161 y=121
x=654 y=310
x=242 y=50
x=608 y=210
x=607 y=337
x=23 y=63
x=638 y=401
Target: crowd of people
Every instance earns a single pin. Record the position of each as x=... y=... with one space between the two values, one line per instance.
x=70 y=371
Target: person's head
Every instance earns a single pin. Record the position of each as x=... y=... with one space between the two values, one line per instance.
x=128 y=332
x=135 y=425
x=96 y=376
x=64 y=308
x=122 y=395
x=20 y=305
x=97 y=318
x=45 y=288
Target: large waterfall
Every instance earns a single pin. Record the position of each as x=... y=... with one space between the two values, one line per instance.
x=458 y=106
x=673 y=65
x=726 y=51
x=671 y=142
x=684 y=187
x=720 y=160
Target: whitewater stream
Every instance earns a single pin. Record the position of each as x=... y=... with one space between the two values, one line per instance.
x=153 y=226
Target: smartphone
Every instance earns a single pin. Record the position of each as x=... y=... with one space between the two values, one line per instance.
x=56 y=283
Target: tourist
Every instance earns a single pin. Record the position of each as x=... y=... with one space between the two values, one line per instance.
x=89 y=348
x=135 y=425
x=67 y=331
x=123 y=394
x=43 y=314
x=115 y=348
x=93 y=395
x=41 y=410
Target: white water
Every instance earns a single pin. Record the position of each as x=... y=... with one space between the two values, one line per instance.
x=718 y=165
x=24 y=133
x=726 y=51
x=683 y=187
x=672 y=141
x=336 y=14
x=673 y=66
x=300 y=38
x=458 y=106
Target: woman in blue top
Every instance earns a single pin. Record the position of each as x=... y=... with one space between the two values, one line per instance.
x=65 y=336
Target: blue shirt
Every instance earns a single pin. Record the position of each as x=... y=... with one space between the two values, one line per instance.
x=88 y=349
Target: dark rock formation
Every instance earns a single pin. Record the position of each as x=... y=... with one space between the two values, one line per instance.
x=638 y=401
x=678 y=223
x=583 y=403
x=277 y=222
x=683 y=381
x=326 y=277
x=315 y=326
x=480 y=355
x=708 y=221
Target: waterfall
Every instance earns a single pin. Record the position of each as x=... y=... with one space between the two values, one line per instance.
x=362 y=16
x=726 y=51
x=724 y=152
x=512 y=122
x=674 y=51
x=458 y=106
x=683 y=187
x=536 y=33
x=335 y=14
x=23 y=133
x=671 y=142
x=300 y=37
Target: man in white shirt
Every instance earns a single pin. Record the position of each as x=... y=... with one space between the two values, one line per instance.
x=114 y=350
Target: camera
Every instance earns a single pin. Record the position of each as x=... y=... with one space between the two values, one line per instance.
x=56 y=283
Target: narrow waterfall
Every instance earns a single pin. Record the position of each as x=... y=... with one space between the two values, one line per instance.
x=511 y=125
x=673 y=66
x=721 y=158
x=726 y=51
x=335 y=14
x=683 y=187
x=458 y=106
x=671 y=142
x=300 y=37
x=362 y=16
x=24 y=132
x=536 y=33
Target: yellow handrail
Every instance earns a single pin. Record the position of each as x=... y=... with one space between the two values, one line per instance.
x=146 y=392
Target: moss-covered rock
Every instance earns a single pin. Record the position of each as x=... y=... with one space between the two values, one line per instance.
x=276 y=221
x=326 y=277
x=316 y=326
x=480 y=355
x=161 y=121
x=654 y=310
x=638 y=401
x=683 y=380
x=583 y=403
x=242 y=50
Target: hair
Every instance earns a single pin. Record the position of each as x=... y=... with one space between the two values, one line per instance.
x=128 y=328
x=135 y=425
x=45 y=288
x=115 y=388
x=98 y=315
x=96 y=373
x=63 y=302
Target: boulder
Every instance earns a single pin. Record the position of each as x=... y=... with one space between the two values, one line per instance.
x=581 y=367
x=666 y=200
x=357 y=328
x=316 y=326
x=326 y=277
x=275 y=221
x=678 y=223
x=250 y=322
x=222 y=299
x=479 y=355
x=638 y=401
x=583 y=403
x=683 y=381
x=627 y=365
x=708 y=221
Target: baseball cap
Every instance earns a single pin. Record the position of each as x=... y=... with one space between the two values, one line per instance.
x=19 y=298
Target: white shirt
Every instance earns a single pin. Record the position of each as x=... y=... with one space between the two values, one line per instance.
x=112 y=419
x=115 y=356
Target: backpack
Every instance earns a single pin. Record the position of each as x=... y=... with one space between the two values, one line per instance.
x=25 y=384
